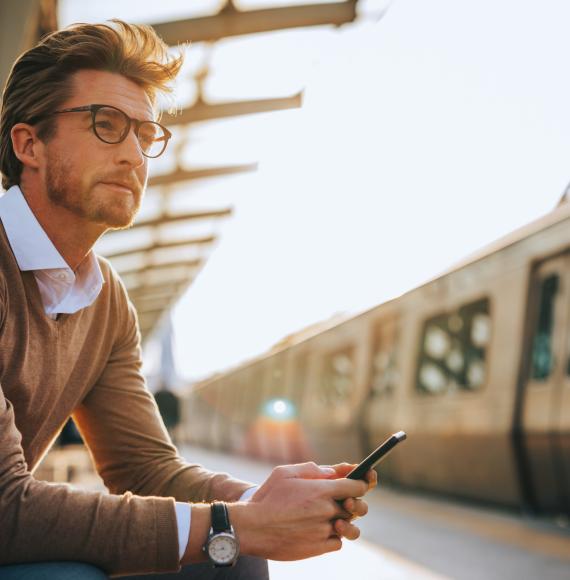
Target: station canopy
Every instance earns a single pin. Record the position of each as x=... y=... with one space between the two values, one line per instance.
x=186 y=203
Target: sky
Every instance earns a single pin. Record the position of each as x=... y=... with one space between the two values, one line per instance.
x=423 y=136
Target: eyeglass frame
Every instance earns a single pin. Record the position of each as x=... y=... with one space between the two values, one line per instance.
x=130 y=122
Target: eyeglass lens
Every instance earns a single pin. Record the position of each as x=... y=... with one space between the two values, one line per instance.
x=112 y=126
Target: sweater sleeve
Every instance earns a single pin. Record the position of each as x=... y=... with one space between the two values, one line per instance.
x=40 y=521
x=122 y=427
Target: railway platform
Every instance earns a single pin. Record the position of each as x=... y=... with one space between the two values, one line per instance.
x=411 y=537
x=405 y=536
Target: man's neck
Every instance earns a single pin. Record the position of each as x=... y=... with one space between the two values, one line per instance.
x=72 y=235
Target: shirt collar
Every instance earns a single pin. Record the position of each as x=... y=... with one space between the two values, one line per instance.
x=32 y=247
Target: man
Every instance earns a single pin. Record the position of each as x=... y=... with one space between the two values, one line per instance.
x=76 y=131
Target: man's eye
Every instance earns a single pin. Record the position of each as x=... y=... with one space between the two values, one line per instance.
x=107 y=125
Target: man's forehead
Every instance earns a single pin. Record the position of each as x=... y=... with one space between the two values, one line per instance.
x=102 y=87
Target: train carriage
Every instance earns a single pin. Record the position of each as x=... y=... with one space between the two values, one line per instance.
x=474 y=365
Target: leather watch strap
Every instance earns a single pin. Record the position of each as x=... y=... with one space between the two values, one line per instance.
x=220 y=517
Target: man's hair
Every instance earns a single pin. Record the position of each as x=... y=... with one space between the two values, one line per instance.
x=40 y=80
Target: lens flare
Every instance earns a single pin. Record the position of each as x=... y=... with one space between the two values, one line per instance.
x=279 y=410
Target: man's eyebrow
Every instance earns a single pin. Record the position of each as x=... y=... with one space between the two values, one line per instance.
x=146 y=117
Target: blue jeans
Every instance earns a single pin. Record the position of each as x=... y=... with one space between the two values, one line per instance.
x=51 y=571
x=247 y=568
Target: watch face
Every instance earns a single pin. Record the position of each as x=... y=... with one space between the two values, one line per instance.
x=222 y=548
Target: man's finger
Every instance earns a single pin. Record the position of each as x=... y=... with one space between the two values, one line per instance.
x=356 y=507
x=343 y=488
x=372 y=478
x=308 y=470
x=343 y=469
x=333 y=544
x=346 y=530
x=342 y=513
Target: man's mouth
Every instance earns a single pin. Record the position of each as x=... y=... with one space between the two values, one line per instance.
x=121 y=187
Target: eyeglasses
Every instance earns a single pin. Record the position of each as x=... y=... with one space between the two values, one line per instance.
x=111 y=125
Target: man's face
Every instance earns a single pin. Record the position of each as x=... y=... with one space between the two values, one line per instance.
x=99 y=182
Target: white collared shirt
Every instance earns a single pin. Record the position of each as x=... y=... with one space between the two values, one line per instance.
x=63 y=291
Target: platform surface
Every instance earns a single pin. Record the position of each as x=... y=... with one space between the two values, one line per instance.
x=409 y=536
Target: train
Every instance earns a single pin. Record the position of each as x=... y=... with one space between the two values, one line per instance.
x=474 y=365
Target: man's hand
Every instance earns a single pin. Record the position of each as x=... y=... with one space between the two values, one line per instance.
x=294 y=514
x=354 y=507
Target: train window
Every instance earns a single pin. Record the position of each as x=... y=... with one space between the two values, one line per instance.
x=541 y=359
x=337 y=377
x=453 y=347
x=384 y=371
x=433 y=378
x=475 y=336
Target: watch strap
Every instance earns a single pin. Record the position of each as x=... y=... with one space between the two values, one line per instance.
x=220 y=517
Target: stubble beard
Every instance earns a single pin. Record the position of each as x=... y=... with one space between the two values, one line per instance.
x=77 y=197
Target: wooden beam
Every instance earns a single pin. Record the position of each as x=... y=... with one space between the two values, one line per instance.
x=166 y=219
x=153 y=311
x=162 y=246
x=180 y=175
x=146 y=289
x=185 y=263
x=151 y=304
x=177 y=275
x=203 y=111
x=231 y=22
x=162 y=296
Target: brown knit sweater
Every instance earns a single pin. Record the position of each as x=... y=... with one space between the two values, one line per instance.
x=87 y=365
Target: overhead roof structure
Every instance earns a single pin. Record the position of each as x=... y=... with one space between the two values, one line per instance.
x=162 y=253
x=230 y=22
x=160 y=267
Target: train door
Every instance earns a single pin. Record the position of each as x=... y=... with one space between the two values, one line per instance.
x=545 y=418
x=563 y=426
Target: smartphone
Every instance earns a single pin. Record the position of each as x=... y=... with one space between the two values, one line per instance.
x=376 y=456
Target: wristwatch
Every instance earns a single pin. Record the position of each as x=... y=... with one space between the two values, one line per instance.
x=222 y=545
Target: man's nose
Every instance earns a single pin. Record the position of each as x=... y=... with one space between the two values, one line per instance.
x=129 y=150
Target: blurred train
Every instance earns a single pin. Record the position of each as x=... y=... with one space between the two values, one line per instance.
x=473 y=365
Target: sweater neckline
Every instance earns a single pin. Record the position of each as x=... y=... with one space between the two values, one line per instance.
x=30 y=282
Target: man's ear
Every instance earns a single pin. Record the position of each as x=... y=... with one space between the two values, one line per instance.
x=26 y=145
